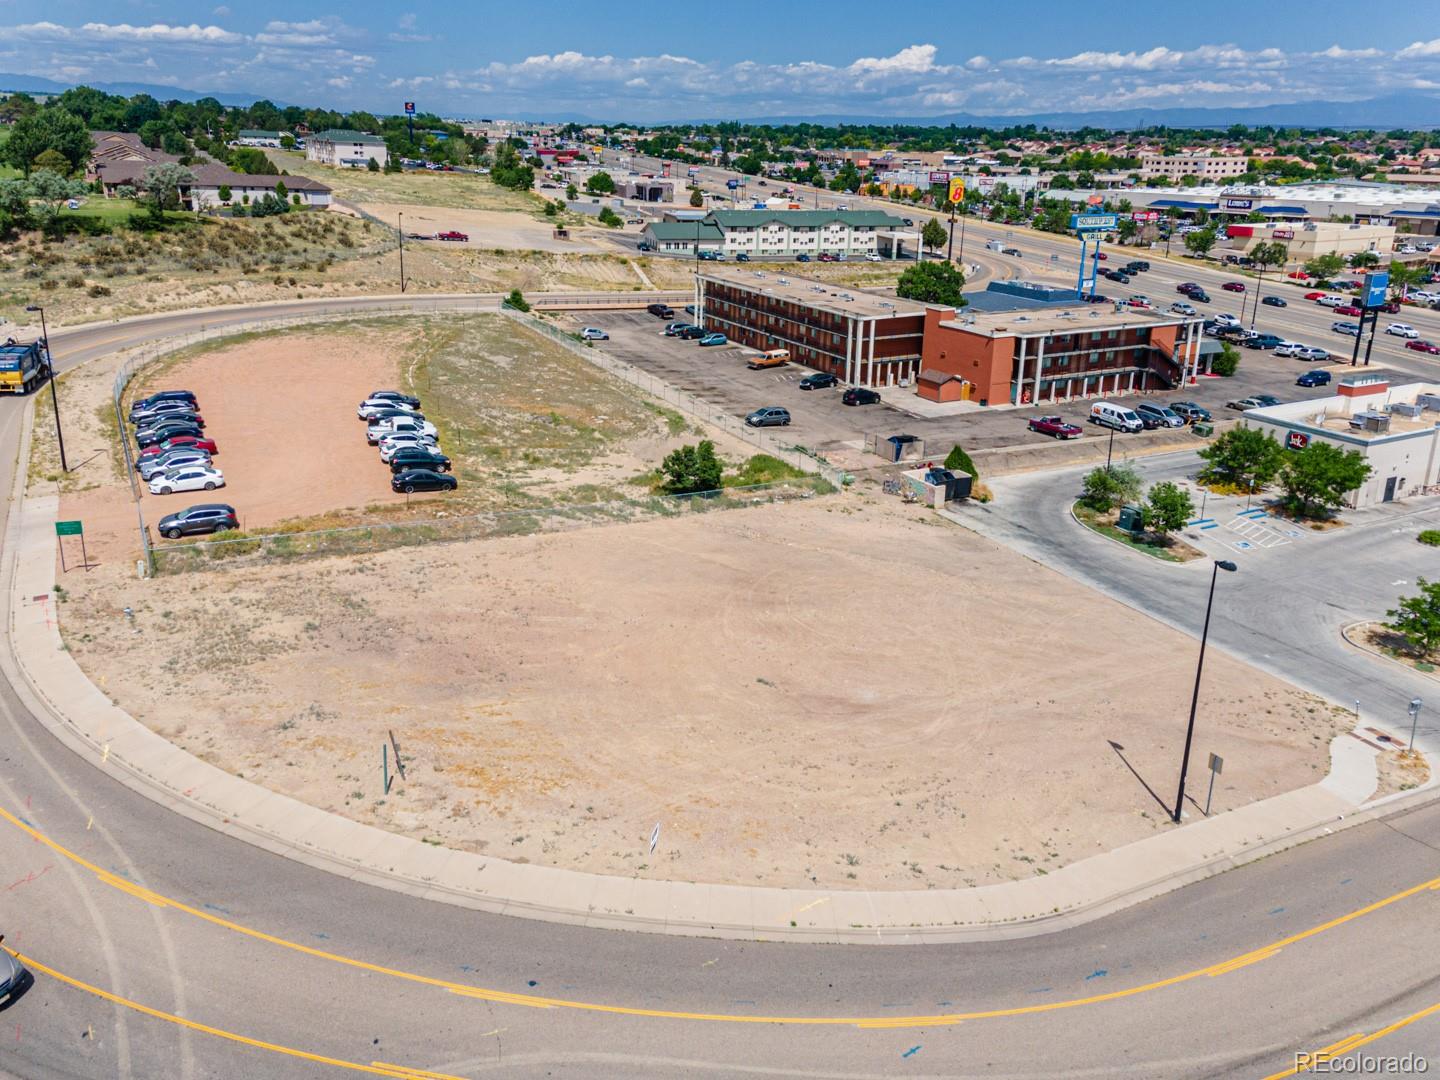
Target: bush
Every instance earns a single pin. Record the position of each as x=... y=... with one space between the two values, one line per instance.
x=1430 y=536
x=98 y=290
x=1228 y=362
x=610 y=219
x=959 y=461
x=517 y=300
x=1104 y=489
x=692 y=469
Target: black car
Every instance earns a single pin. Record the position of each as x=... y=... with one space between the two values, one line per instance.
x=404 y=460
x=818 y=381
x=394 y=395
x=692 y=333
x=743 y=256
x=1313 y=378
x=1274 y=301
x=859 y=395
x=151 y=436
x=1140 y=264
x=661 y=311
x=1199 y=296
x=201 y=518
x=422 y=480
x=164 y=395
x=1151 y=422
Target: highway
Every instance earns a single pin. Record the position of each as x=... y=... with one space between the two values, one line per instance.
x=163 y=948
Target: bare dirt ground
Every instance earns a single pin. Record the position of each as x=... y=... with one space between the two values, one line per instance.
x=488 y=229
x=840 y=692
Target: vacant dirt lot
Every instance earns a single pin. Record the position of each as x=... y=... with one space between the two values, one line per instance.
x=841 y=692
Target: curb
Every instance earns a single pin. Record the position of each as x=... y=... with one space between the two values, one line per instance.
x=1345 y=633
x=62 y=698
x=1121 y=543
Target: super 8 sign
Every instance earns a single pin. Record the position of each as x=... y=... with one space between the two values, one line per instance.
x=957 y=189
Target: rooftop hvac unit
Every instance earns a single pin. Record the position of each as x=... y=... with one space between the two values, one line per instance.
x=1429 y=401
x=1375 y=422
x=1400 y=408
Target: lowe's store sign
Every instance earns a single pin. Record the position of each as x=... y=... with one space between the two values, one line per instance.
x=1093 y=222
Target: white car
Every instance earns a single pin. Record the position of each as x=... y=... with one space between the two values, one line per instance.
x=187 y=478
x=370 y=406
x=1226 y=320
x=1332 y=300
x=874 y=256
x=394 y=425
x=1399 y=329
x=1312 y=353
x=174 y=459
x=1425 y=297
x=594 y=333
x=1182 y=308
x=392 y=443
x=1289 y=348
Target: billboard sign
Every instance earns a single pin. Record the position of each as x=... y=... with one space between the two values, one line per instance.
x=1093 y=222
x=1095 y=200
x=1146 y=215
x=1297 y=440
x=1377 y=284
x=409 y=108
x=957 y=189
x=1239 y=204
x=939 y=178
x=1283 y=234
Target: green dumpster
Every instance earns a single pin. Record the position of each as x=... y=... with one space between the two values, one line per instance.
x=1204 y=430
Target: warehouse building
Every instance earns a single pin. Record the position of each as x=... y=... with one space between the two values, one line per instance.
x=1396 y=428
x=860 y=338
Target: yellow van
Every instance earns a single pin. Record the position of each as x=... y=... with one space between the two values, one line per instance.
x=768 y=359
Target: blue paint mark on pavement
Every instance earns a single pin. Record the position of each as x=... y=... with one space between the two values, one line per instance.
x=322 y=935
x=216 y=907
x=1276 y=911
x=1347 y=881
x=1098 y=973
x=911 y=1052
x=1039 y=990
x=28 y=822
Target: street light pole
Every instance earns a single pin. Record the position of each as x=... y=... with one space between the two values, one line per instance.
x=1110 y=449
x=54 y=399
x=1220 y=564
x=1414 y=719
x=400 y=232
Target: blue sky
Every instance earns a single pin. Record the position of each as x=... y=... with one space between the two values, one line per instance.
x=739 y=58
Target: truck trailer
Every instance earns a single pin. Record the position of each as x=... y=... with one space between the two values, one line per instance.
x=23 y=367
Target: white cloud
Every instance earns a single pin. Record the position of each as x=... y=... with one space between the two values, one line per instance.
x=1158 y=57
x=1420 y=48
x=978 y=63
x=406 y=21
x=221 y=12
x=1335 y=52
x=911 y=60
x=161 y=32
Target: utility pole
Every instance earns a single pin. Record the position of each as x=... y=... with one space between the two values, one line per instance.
x=400 y=232
x=54 y=399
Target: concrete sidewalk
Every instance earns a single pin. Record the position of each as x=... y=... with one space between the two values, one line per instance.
x=62 y=698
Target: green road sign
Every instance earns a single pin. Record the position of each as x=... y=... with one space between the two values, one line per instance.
x=69 y=528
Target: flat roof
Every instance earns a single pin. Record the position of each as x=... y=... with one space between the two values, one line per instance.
x=1075 y=318
x=825 y=296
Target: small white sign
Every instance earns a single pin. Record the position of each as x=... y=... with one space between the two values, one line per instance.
x=1217 y=763
x=654 y=837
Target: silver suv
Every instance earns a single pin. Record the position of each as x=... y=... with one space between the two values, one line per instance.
x=769 y=417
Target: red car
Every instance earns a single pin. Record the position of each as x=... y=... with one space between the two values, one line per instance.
x=1055 y=427
x=1102 y=256
x=1298 y=275
x=1233 y=286
x=1421 y=345
x=451 y=234
x=1315 y=295
x=1390 y=308
x=189 y=442
x=1346 y=309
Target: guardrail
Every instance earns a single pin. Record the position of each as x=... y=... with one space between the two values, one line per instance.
x=602 y=301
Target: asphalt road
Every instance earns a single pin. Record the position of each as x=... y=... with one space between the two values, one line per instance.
x=347 y=977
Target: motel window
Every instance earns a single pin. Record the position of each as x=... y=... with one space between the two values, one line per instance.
x=1094 y=358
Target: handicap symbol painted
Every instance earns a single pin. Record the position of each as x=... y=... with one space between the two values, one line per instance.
x=1242 y=545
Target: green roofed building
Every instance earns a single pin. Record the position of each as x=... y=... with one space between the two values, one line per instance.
x=346 y=149
x=763 y=233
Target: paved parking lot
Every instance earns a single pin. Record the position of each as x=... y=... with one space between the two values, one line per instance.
x=821 y=422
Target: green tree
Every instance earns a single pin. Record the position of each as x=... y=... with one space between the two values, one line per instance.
x=160 y=187
x=692 y=468
x=508 y=171
x=252 y=161
x=281 y=191
x=697 y=199
x=1104 y=489
x=1168 y=508
x=225 y=193
x=1127 y=228
x=287 y=142
x=372 y=165
x=47 y=129
x=1418 y=617
x=1319 y=477
x=571 y=191
x=933 y=235
x=1200 y=241
x=959 y=461
x=1405 y=275
x=601 y=183
x=1228 y=362
x=1266 y=255
x=52 y=161
x=1363 y=260
x=1324 y=266
x=517 y=300
x=51 y=191
x=1244 y=457
x=932 y=283
x=609 y=218
x=14 y=206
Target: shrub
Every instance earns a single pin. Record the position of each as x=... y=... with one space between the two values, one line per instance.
x=98 y=290
x=959 y=461
x=1228 y=362
x=1104 y=489
x=692 y=468
x=517 y=300
x=1431 y=537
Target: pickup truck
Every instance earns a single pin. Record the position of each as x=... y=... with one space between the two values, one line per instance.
x=1055 y=427
x=768 y=359
x=452 y=234
x=23 y=367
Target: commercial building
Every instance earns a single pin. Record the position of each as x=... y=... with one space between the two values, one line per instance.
x=346 y=149
x=860 y=338
x=1396 y=428
x=1424 y=222
x=1173 y=167
x=1056 y=351
x=645 y=189
x=787 y=233
x=1305 y=240
x=269 y=139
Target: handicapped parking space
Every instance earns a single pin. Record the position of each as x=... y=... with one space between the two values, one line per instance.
x=1228 y=525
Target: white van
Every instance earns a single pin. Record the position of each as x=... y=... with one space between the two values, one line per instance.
x=994 y=245
x=1108 y=414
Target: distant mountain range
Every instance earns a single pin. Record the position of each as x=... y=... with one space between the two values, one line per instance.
x=34 y=84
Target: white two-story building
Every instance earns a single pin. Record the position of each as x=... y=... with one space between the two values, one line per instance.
x=346 y=149
x=788 y=233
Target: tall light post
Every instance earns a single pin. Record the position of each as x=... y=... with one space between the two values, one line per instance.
x=1220 y=564
x=400 y=232
x=1415 y=704
x=54 y=399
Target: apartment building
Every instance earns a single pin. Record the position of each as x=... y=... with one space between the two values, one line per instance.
x=1203 y=166
x=346 y=149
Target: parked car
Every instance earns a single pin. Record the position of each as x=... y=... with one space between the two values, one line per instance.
x=1164 y=417
x=383 y=406
x=151 y=436
x=692 y=333
x=1233 y=286
x=1350 y=328
x=672 y=329
x=1190 y=412
x=395 y=396
x=164 y=395
x=195 y=442
x=742 y=256
x=1274 y=301
x=771 y=416
x=802 y=257
x=1266 y=400
x=1348 y=309
x=818 y=381
x=1288 y=348
x=175 y=459
x=1108 y=414
x=1263 y=341
x=1314 y=378
x=452 y=234
x=859 y=395
x=392 y=445
x=422 y=480
x=187 y=478
x=875 y=256
x=396 y=424
x=167 y=407
x=826 y=256
x=1312 y=353
x=1055 y=427
x=661 y=311
x=594 y=333
x=1245 y=404
x=1421 y=345
x=13 y=976
x=198 y=519
x=714 y=339
x=1400 y=329
x=418 y=458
